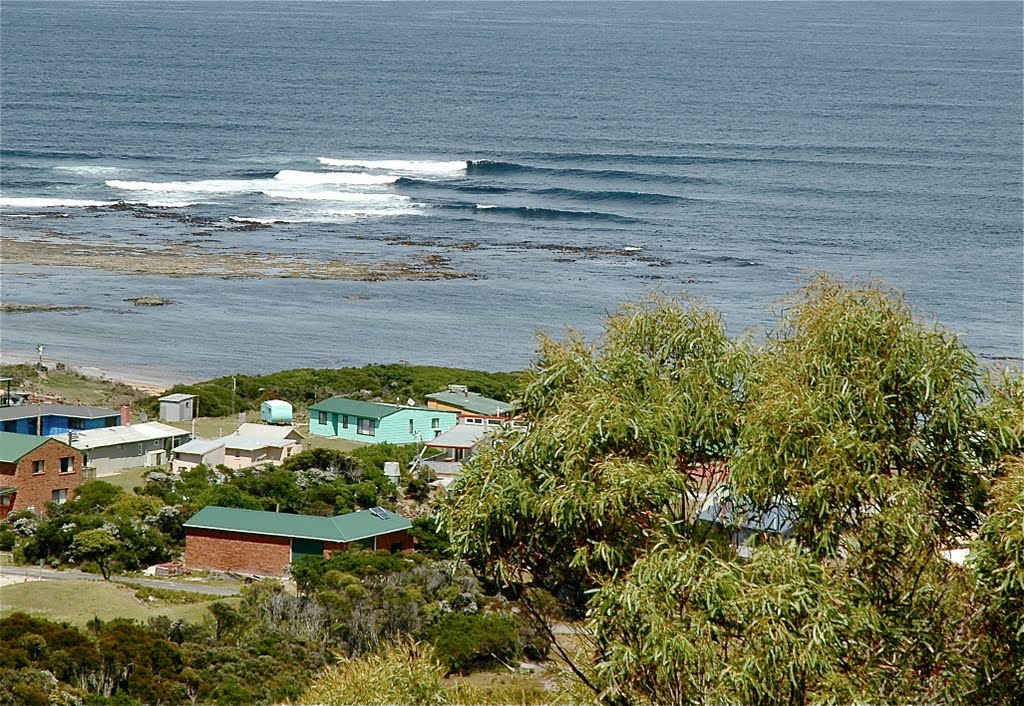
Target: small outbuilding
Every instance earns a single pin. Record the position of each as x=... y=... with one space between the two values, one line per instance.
x=179 y=407
x=266 y=543
x=276 y=412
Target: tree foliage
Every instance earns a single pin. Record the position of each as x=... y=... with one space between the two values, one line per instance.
x=882 y=433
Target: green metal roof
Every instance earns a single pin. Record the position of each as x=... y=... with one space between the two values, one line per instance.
x=354 y=408
x=14 y=446
x=472 y=402
x=343 y=528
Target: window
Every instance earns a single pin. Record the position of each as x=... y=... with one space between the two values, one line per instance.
x=140 y=450
x=38 y=466
x=59 y=497
x=412 y=427
x=7 y=500
x=344 y=421
x=435 y=423
x=365 y=427
x=11 y=426
x=67 y=464
x=321 y=418
x=75 y=423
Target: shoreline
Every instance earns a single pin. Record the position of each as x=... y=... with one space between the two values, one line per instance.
x=151 y=382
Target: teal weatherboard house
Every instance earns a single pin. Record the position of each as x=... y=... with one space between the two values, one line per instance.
x=377 y=423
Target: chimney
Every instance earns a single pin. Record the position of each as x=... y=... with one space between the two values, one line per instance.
x=126 y=415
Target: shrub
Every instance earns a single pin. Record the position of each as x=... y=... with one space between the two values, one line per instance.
x=407 y=673
x=467 y=642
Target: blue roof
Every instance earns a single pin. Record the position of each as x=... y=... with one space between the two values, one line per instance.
x=777 y=518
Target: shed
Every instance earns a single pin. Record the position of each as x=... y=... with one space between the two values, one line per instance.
x=276 y=412
x=178 y=407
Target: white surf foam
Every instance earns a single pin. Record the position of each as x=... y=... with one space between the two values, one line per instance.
x=346 y=196
x=292 y=176
x=203 y=186
x=483 y=206
x=49 y=202
x=89 y=170
x=412 y=166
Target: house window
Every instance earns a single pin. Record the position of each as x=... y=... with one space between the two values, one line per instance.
x=75 y=423
x=67 y=464
x=11 y=426
x=6 y=501
x=412 y=427
x=365 y=427
x=140 y=450
x=59 y=496
x=435 y=423
x=344 y=421
x=321 y=417
x=38 y=466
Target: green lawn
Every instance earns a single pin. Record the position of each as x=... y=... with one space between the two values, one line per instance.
x=128 y=478
x=78 y=602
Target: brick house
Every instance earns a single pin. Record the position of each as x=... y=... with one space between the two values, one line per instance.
x=265 y=543
x=36 y=470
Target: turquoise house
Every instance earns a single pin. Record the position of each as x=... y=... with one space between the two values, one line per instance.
x=377 y=423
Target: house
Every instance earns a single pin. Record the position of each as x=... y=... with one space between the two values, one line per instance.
x=472 y=406
x=377 y=423
x=250 y=445
x=209 y=452
x=457 y=443
x=265 y=543
x=113 y=449
x=742 y=520
x=48 y=419
x=178 y=407
x=36 y=470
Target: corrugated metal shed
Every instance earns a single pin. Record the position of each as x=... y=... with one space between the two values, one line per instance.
x=343 y=528
x=354 y=408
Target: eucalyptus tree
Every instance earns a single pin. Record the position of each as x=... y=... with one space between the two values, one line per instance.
x=879 y=430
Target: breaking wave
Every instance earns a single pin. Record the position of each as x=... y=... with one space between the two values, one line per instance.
x=397 y=165
x=50 y=202
x=545 y=213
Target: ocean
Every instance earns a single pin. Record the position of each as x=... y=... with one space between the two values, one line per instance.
x=565 y=156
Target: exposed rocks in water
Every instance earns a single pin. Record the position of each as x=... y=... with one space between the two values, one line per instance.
x=149 y=301
x=9 y=308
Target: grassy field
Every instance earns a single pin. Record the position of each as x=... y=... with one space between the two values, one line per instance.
x=78 y=602
x=129 y=478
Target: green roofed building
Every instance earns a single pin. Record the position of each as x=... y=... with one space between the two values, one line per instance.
x=265 y=543
x=458 y=398
x=376 y=423
x=36 y=471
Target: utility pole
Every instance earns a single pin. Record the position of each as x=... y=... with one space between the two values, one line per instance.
x=233 y=386
x=39 y=349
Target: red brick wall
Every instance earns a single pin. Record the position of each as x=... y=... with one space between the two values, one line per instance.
x=35 y=489
x=384 y=541
x=237 y=551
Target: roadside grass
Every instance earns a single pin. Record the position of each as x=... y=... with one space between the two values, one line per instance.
x=78 y=602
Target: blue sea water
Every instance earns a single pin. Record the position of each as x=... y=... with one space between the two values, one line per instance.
x=592 y=151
